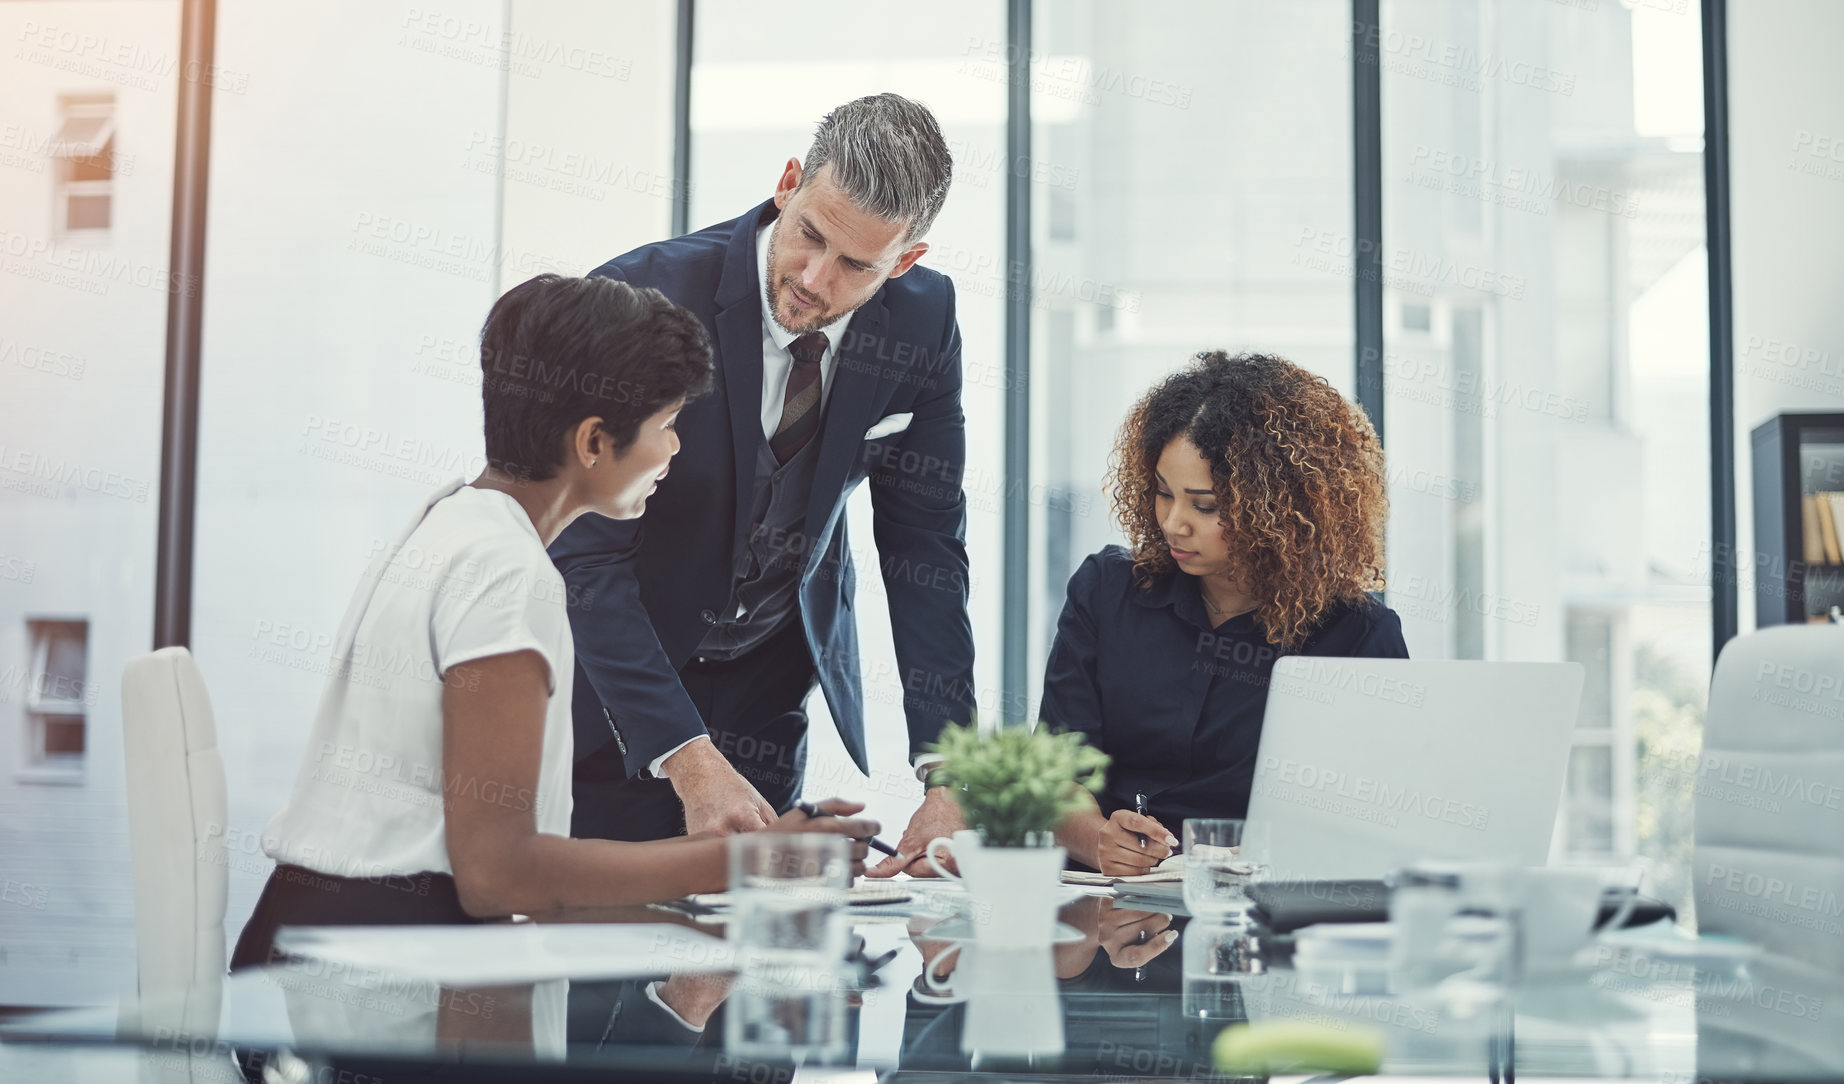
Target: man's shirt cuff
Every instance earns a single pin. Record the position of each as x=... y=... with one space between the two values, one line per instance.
x=653 y=996
x=657 y=769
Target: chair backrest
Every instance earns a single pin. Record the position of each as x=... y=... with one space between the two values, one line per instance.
x=1769 y=862
x=176 y=822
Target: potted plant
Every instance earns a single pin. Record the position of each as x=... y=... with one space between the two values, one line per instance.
x=1014 y=786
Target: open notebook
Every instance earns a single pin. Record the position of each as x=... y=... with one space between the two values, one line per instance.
x=1170 y=871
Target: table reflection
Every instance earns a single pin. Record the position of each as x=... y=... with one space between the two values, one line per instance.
x=1106 y=1003
x=1128 y=990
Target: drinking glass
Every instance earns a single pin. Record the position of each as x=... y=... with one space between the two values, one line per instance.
x=787 y=892
x=1222 y=858
x=1218 y=960
x=779 y=1012
x=787 y=924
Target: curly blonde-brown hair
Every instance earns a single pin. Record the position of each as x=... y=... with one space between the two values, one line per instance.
x=1299 y=481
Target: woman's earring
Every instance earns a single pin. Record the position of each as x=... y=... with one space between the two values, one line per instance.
x=593 y=462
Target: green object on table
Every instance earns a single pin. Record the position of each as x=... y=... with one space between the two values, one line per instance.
x=1282 y=1046
x=1015 y=785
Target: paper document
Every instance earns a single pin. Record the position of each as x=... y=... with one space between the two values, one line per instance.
x=511 y=953
x=869 y=894
x=1170 y=870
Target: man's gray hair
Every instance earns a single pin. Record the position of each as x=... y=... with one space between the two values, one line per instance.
x=888 y=157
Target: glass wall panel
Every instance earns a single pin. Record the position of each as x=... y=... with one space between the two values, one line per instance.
x=760 y=84
x=1546 y=378
x=1191 y=191
x=88 y=96
x=388 y=174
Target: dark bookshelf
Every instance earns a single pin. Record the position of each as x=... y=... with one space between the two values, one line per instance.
x=1794 y=455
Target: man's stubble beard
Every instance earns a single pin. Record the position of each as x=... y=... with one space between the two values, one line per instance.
x=777 y=284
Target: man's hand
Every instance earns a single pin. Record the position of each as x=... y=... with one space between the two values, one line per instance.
x=717 y=800
x=695 y=996
x=932 y=951
x=939 y=815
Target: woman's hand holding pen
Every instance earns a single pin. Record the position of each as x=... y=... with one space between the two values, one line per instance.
x=1130 y=844
x=1124 y=845
x=839 y=821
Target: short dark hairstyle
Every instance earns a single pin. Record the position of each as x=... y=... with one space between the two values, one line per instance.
x=556 y=350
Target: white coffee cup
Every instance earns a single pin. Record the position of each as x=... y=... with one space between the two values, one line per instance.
x=1559 y=907
x=1013 y=891
x=1012 y=1006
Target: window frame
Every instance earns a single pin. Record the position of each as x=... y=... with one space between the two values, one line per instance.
x=37 y=765
x=75 y=107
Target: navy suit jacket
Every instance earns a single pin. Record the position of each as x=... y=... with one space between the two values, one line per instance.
x=644 y=592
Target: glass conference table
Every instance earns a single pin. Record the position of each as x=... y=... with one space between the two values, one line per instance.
x=1118 y=999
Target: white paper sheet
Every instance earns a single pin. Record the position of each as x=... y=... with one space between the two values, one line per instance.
x=1170 y=871
x=511 y=953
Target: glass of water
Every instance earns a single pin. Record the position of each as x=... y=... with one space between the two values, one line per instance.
x=786 y=894
x=1221 y=860
x=787 y=926
x=779 y=1012
x=1218 y=960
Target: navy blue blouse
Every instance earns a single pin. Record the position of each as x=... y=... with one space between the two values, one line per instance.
x=1176 y=703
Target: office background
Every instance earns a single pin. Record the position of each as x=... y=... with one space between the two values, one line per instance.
x=1166 y=178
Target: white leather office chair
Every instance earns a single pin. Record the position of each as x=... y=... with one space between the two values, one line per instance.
x=1769 y=862
x=176 y=819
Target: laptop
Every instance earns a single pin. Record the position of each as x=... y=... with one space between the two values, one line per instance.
x=1367 y=765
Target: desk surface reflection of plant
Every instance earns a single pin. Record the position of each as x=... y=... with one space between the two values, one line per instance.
x=1015 y=785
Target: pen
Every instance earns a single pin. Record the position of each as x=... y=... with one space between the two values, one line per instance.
x=812 y=810
x=1139 y=806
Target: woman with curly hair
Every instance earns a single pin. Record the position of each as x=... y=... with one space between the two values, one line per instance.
x=1252 y=496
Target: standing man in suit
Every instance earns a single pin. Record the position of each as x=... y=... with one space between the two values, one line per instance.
x=700 y=635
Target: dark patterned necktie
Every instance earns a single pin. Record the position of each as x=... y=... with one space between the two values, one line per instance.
x=800 y=410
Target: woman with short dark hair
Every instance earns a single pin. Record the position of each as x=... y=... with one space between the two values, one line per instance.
x=1252 y=495
x=436 y=784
